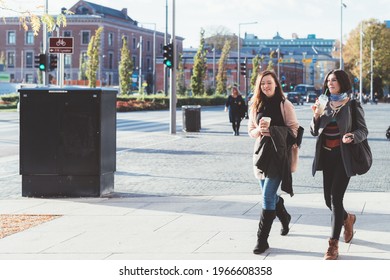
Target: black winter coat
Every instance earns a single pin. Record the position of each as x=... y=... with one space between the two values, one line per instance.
x=274 y=156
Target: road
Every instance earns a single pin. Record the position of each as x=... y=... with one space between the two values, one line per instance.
x=152 y=161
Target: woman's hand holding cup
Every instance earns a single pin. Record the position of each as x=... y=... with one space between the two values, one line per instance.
x=265 y=123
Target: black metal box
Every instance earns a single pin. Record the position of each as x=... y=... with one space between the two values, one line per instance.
x=67 y=141
x=191 y=118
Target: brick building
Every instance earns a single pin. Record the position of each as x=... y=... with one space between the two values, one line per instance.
x=20 y=46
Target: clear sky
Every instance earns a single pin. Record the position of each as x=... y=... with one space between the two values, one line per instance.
x=302 y=17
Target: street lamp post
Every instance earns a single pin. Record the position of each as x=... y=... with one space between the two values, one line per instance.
x=238 y=48
x=341 y=35
x=278 y=61
x=372 y=72
x=140 y=65
x=361 y=65
x=214 y=67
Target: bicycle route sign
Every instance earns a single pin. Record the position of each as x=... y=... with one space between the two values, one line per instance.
x=61 y=45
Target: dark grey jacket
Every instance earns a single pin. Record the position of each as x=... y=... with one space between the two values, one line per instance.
x=274 y=156
x=344 y=123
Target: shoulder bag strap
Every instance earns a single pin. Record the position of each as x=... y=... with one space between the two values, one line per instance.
x=353 y=113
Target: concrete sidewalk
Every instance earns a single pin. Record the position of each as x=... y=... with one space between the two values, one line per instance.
x=191 y=227
x=193 y=196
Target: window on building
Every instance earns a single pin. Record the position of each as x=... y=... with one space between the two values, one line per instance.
x=67 y=33
x=134 y=61
x=29 y=60
x=11 y=37
x=85 y=37
x=148 y=64
x=148 y=46
x=110 y=39
x=29 y=78
x=110 y=60
x=67 y=60
x=124 y=38
x=29 y=38
x=84 y=57
x=134 y=43
x=11 y=60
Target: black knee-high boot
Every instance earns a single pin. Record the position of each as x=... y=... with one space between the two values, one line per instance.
x=265 y=224
x=283 y=216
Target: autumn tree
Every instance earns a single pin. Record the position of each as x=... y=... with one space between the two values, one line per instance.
x=221 y=76
x=218 y=37
x=93 y=57
x=125 y=68
x=199 y=68
x=380 y=35
x=29 y=19
x=256 y=62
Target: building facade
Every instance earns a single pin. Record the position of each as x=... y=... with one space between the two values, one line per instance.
x=145 y=44
x=315 y=56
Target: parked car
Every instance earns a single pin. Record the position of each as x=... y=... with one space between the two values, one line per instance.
x=295 y=98
x=311 y=98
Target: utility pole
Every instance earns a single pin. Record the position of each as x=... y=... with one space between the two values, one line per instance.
x=165 y=43
x=372 y=72
x=140 y=66
x=172 y=103
x=361 y=65
x=45 y=74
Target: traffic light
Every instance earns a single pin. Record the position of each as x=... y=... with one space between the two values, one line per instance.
x=36 y=61
x=168 y=55
x=40 y=61
x=243 y=68
x=53 y=62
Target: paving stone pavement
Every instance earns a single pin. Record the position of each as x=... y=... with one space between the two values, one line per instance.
x=193 y=196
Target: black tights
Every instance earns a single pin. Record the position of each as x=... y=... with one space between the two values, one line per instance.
x=236 y=126
x=335 y=184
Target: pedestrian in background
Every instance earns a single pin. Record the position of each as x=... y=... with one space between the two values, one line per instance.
x=332 y=124
x=235 y=104
x=274 y=125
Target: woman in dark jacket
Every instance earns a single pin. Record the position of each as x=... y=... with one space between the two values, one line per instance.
x=333 y=126
x=236 y=106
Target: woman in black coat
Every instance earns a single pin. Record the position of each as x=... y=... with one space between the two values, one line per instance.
x=236 y=106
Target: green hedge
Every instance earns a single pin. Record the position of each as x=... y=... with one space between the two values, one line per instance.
x=160 y=101
x=13 y=97
x=202 y=100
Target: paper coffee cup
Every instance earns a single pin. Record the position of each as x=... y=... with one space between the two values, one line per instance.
x=266 y=119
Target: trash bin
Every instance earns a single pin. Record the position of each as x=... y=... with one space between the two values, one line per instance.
x=191 y=118
x=67 y=142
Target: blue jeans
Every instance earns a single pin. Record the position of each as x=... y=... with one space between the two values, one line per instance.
x=269 y=187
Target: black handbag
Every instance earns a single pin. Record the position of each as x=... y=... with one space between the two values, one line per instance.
x=361 y=152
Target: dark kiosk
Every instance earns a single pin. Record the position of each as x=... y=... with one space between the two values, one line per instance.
x=67 y=141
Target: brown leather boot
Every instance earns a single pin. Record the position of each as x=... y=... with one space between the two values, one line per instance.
x=348 y=227
x=333 y=250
